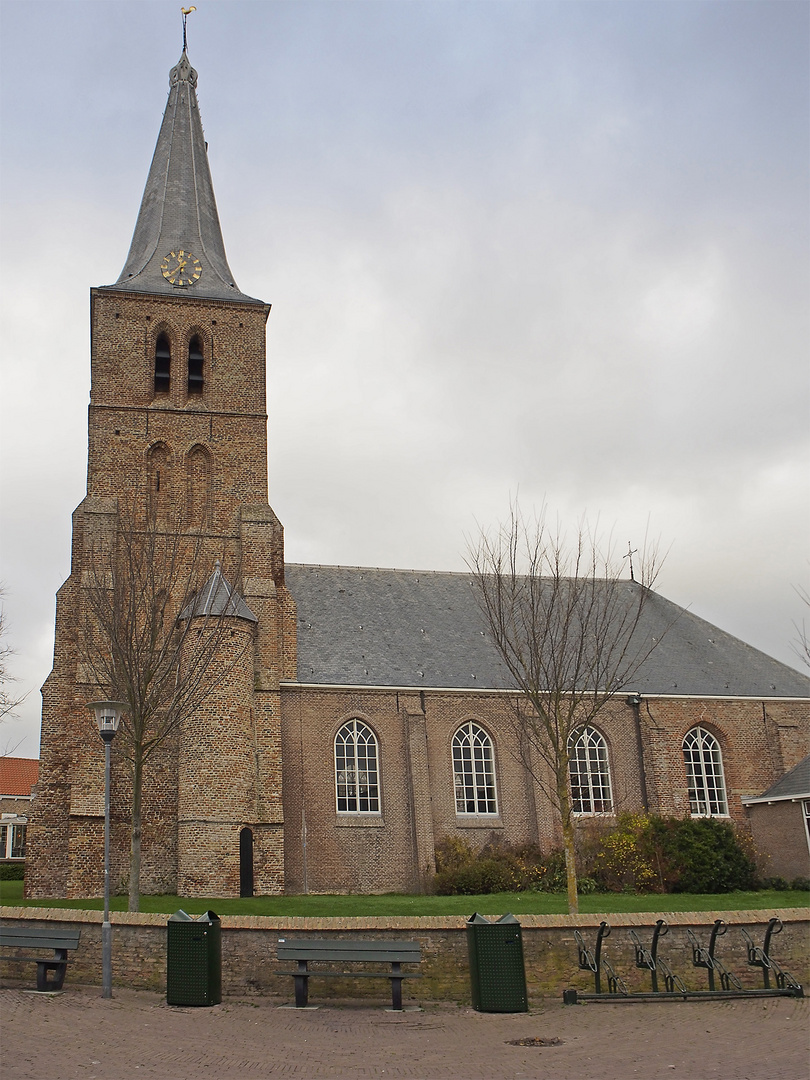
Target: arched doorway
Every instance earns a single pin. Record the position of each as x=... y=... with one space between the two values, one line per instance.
x=246 y=862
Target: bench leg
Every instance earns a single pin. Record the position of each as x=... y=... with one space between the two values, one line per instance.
x=301 y=991
x=396 y=993
x=58 y=967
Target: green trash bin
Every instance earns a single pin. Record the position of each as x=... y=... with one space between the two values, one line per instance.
x=497 y=970
x=194 y=959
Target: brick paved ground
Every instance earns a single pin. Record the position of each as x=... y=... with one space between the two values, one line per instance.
x=77 y=1034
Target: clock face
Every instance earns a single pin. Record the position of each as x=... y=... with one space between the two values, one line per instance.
x=181 y=268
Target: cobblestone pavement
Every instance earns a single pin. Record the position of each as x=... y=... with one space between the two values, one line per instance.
x=136 y=1034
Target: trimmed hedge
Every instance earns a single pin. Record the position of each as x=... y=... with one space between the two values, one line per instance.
x=12 y=871
x=636 y=853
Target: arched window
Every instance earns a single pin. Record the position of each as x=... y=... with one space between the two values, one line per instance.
x=163 y=365
x=356 y=775
x=589 y=771
x=704 y=774
x=198 y=486
x=195 y=366
x=158 y=471
x=474 y=771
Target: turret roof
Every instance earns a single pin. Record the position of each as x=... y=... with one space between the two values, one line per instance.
x=217 y=597
x=178 y=211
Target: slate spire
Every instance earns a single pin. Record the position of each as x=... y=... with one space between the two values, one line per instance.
x=217 y=597
x=177 y=234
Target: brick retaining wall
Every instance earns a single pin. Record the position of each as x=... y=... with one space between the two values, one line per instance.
x=248 y=950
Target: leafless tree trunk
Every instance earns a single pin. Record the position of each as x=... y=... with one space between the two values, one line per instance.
x=144 y=644
x=801 y=646
x=8 y=702
x=568 y=630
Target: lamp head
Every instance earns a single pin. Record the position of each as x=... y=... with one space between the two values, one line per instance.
x=108 y=717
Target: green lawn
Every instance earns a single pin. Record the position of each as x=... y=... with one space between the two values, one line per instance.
x=525 y=903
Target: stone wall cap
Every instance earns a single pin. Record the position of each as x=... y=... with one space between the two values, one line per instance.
x=288 y=924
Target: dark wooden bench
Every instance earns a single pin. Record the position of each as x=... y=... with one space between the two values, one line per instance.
x=33 y=937
x=305 y=951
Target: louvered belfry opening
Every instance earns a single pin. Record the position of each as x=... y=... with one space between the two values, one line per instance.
x=195 y=366
x=163 y=365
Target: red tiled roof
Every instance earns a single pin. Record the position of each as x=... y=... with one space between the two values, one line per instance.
x=18 y=775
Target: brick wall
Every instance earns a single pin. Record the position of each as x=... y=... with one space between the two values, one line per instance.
x=780 y=836
x=249 y=951
x=329 y=852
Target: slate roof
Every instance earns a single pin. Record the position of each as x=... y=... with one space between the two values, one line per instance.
x=793 y=785
x=370 y=627
x=217 y=597
x=178 y=209
x=18 y=775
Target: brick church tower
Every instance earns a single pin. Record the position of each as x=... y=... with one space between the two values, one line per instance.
x=177 y=423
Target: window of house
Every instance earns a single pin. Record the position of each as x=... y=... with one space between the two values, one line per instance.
x=589 y=771
x=704 y=774
x=17 y=842
x=12 y=840
x=163 y=365
x=195 y=366
x=356 y=773
x=474 y=771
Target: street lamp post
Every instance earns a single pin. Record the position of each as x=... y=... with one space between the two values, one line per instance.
x=108 y=717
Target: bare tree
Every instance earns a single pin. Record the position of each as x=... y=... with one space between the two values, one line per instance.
x=567 y=627
x=801 y=645
x=8 y=701
x=155 y=619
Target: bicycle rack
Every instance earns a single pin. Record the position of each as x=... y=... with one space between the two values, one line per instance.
x=649 y=958
x=706 y=958
x=674 y=989
x=761 y=958
x=594 y=961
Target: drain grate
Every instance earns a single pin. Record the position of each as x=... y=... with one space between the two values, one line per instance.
x=534 y=1040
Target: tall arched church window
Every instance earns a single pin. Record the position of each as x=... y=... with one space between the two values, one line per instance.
x=356 y=772
x=704 y=774
x=195 y=366
x=198 y=482
x=163 y=365
x=589 y=772
x=474 y=771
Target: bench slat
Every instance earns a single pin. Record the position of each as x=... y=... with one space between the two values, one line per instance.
x=354 y=974
x=354 y=958
x=13 y=937
x=407 y=952
x=347 y=945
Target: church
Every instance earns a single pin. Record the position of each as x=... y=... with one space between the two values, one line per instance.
x=368 y=715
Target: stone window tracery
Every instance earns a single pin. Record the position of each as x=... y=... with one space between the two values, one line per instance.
x=589 y=771
x=704 y=774
x=474 y=771
x=356 y=770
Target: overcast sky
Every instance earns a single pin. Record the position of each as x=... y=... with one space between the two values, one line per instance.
x=559 y=249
